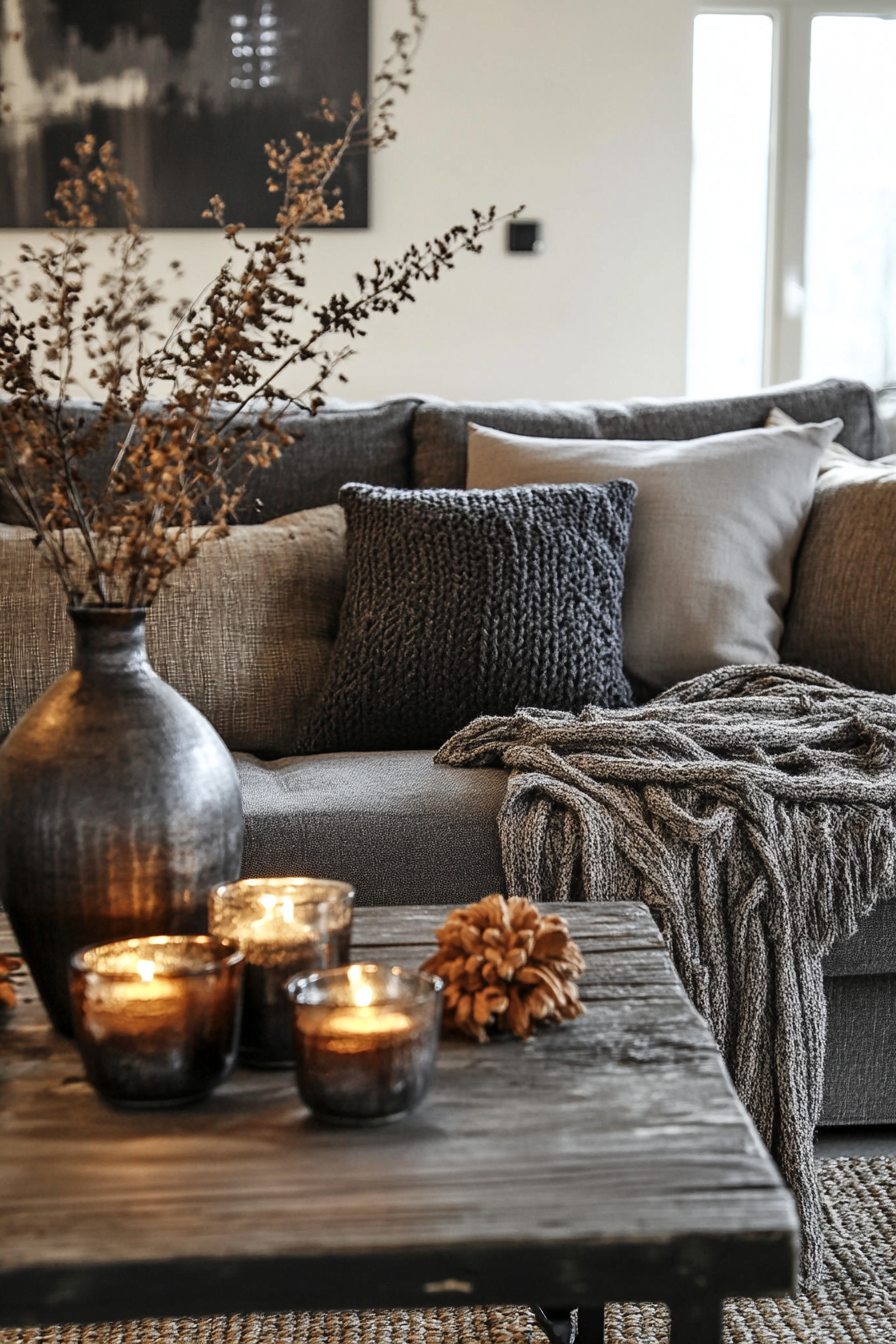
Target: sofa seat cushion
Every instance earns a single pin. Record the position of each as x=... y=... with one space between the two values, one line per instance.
x=860 y=1057
x=407 y=832
x=872 y=948
x=402 y=830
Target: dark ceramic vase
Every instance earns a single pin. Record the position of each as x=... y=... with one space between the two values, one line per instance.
x=119 y=807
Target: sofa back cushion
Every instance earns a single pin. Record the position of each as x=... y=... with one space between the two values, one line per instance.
x=691 y=418
x=80 y=414
x=440 y=427
x=364 y=441
x=716 y=525
x=842 y=616
x=344 y=441
x=244 y=632
x=440 y=432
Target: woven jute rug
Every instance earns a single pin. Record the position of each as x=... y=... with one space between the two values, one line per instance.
x=857 y=1304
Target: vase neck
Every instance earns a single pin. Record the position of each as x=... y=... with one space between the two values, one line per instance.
x=109 y=639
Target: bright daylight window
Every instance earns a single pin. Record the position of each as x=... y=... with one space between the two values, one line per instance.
x=849 y=325
x=829 y=269
x=729 y=202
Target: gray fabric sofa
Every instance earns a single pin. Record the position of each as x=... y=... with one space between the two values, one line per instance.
x=404 y=830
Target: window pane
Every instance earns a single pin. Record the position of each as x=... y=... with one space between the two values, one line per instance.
x=729 y=202
x=849 y=326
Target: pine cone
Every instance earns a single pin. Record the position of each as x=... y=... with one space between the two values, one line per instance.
x=504 y=963
x=7 y=992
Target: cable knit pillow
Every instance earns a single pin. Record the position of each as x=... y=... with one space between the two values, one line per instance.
x=715 y=530
x=460 y=603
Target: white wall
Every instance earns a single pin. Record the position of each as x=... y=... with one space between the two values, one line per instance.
x=581 y=110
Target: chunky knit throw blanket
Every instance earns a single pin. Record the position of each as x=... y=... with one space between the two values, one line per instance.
x=753 y=809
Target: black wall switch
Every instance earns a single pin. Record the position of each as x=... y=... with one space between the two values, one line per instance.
x=524 y=236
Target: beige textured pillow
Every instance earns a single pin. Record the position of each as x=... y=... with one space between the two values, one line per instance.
x=244 y=632
x=835 y=455
x=716 y=526
x=842 y=617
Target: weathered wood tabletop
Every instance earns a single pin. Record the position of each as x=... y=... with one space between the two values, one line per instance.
x=606 y=1159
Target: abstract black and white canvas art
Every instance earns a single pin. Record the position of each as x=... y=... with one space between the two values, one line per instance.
x=189 y=91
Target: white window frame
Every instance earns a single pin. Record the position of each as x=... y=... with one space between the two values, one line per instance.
x=785 y=258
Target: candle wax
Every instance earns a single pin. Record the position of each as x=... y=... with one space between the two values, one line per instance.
x=373 y=1028
x=132 y=1007
x=362 y=1063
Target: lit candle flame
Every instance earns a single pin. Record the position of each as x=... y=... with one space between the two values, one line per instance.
x=146 y=970
x=267 y=903
x=274 y=908
x=362 y=995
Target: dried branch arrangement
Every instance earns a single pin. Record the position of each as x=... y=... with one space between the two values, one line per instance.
x=217 y=376
x=506 y=966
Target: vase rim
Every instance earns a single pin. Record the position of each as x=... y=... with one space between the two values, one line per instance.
x=103 y=606
x=114 y=612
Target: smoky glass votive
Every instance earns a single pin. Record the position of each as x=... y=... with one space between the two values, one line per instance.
x=157 y=1019
x=365 y=1039
x=285 y=926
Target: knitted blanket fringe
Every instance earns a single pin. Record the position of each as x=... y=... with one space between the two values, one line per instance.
x=753 y=809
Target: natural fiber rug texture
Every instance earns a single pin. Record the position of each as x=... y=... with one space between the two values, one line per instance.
x=856 y=1305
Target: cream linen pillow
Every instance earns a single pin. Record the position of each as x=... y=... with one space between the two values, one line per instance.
x=716 y=526
x=245 y=631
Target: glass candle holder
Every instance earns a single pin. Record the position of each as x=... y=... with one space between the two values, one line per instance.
x=157 y=1019
x=365 y=1040
x=285 y=926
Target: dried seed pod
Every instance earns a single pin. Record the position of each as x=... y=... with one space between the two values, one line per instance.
x=7 y=991
x=506 y=965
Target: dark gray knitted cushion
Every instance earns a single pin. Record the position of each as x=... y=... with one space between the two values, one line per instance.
x=467 y=602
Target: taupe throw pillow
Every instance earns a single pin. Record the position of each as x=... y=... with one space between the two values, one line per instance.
x=842 y=617
x=244 y=632
x=715 y=529
x=460 y=603
x=835 y=455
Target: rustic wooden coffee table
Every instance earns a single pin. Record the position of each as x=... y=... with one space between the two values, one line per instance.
x=607 y=1159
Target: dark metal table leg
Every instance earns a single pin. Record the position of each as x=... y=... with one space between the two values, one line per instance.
x=590 y=1325
x=572 y=1325
x=558 y=1323
x=696 y=1320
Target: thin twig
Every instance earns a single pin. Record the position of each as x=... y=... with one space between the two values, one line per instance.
x=223 y=354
